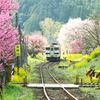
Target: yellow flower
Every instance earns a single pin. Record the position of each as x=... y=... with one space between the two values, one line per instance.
x=21 y=76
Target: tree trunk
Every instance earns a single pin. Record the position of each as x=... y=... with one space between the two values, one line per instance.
x=8 y=70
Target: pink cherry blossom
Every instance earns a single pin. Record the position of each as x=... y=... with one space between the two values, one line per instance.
x=8 y=34
x=75 y=46
x=36 y=42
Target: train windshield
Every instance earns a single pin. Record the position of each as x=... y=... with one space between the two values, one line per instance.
x=51 y=49
x=47 y=48
x=56 y=48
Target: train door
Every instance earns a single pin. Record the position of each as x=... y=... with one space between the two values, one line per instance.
x=52 y=51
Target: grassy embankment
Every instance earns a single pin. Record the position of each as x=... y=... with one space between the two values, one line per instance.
x=78 y=68
x=16 y=92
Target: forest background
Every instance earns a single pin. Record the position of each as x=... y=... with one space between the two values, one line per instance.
x=34 y=15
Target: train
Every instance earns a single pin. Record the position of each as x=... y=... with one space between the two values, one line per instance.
x=53 y=52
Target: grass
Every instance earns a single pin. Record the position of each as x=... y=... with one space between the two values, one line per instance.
x=16 y=92
x=34 y=75
x=93 y=91
x=71 y=72
x=81 y=71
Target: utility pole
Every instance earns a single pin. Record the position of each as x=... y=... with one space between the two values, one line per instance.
x=42 y=35
x=27 y=51
x=16 y=22
x=16 y=19
x=20 y=45
x=24 y=52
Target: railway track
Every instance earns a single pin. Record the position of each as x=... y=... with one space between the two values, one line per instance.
x=44 y=70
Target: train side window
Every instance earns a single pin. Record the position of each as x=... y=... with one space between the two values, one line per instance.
x=56 y=48
x=47 y=48
x=51 y=49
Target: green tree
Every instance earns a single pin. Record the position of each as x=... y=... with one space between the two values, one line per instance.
x=31 y=24
x=95 y=15
x=50 y=27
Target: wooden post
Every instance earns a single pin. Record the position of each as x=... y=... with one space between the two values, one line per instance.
x=91 y=78
x=98 y=80
x=25 y=80
x=81 y=81
x=77 y=80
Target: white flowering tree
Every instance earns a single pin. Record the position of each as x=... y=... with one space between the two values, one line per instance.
x=86 y=31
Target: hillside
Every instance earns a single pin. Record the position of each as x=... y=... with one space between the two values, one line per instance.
x=71 y=72
x=31 y=12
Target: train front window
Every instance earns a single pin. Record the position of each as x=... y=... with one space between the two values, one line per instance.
x=51 y=49
x=47 y=48
x=56 y=48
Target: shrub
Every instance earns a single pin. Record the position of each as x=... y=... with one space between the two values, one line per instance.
x=95 y=53
x=88 y=58
x=22 y=72
x=21 y=76
x=17 y=78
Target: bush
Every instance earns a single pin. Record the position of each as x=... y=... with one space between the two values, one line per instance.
x=88 y=58
x=21 y=76
x=95 y=53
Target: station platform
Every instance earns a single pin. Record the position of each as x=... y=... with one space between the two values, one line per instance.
x=55 y=86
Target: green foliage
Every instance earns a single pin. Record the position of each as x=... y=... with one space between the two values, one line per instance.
x=80 y=64
x=41 y=56
x=50 y=28
x=31 y=12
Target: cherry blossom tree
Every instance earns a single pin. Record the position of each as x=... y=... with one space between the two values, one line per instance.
x=91 y=34
x=75 y=46
x=8 y=34
x=86 y=31
x=36 y=43
x=70 y=32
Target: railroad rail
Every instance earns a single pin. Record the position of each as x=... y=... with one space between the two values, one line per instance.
x=42 y=79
